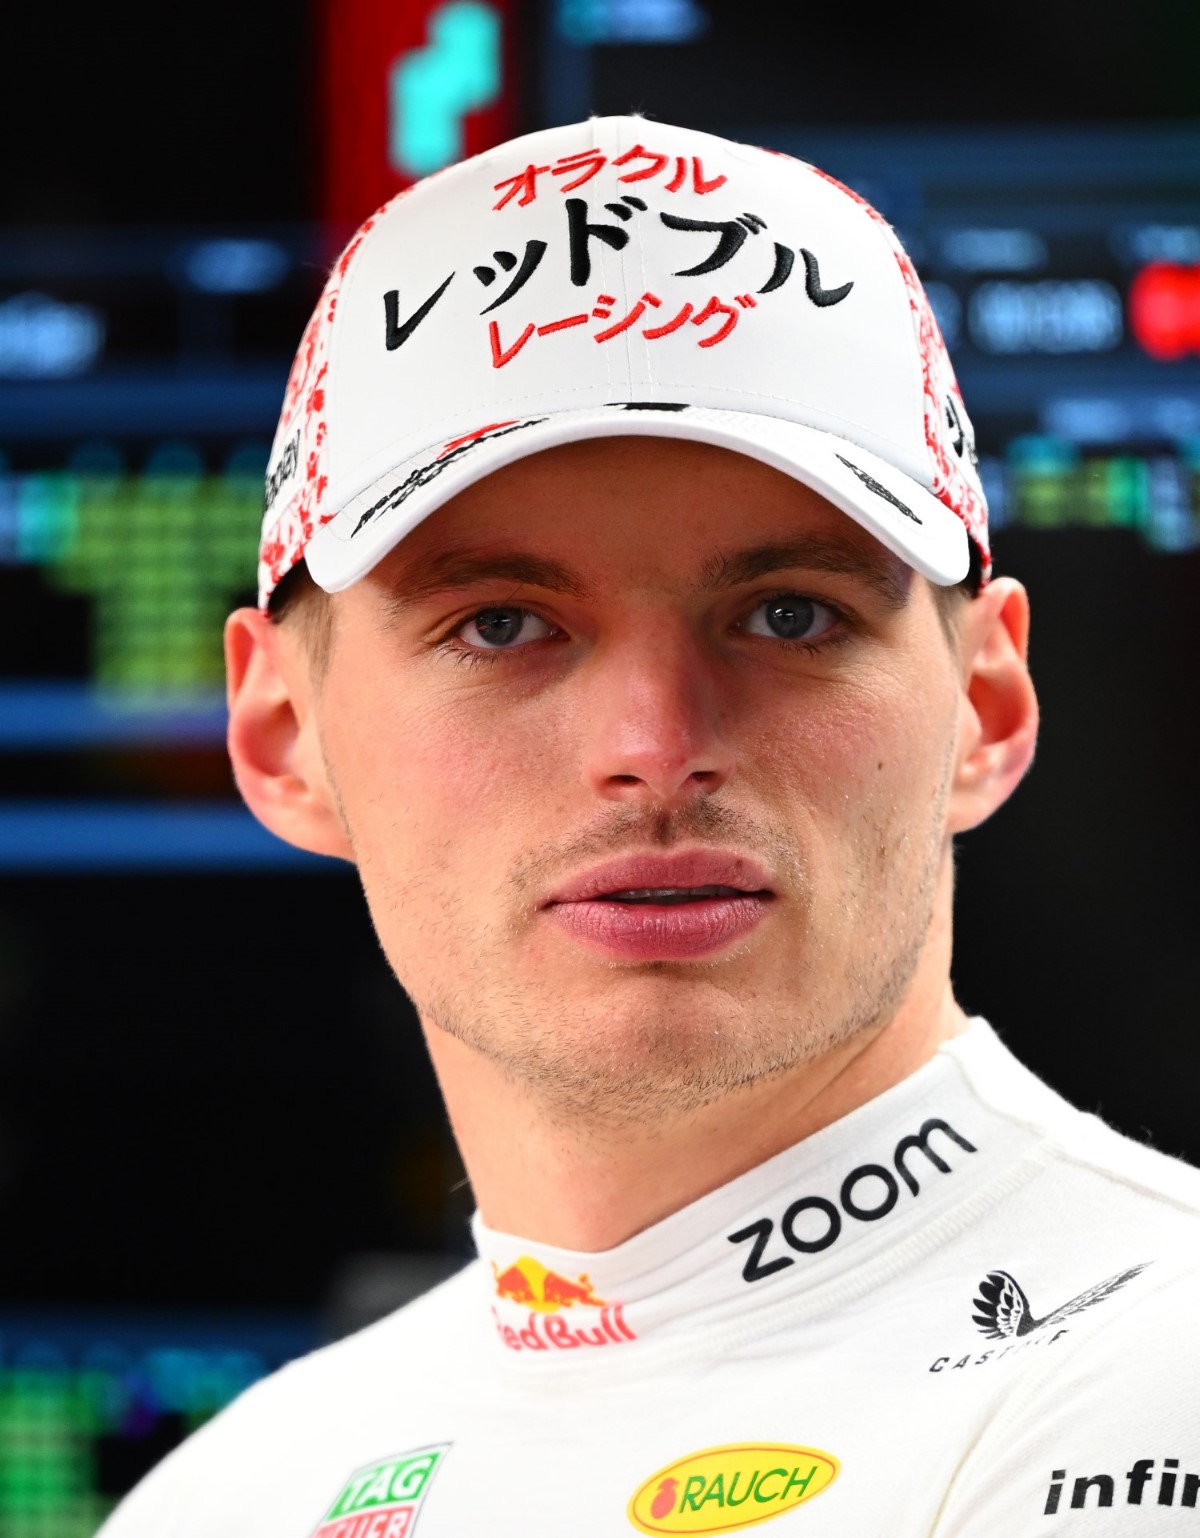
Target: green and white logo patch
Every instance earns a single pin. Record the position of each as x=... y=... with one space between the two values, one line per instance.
x=382 y=1500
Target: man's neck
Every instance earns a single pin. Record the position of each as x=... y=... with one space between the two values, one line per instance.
x=585 y=1190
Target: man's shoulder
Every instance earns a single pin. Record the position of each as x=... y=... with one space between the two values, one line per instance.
x=1133 y=1172
x=1145 y=1325
x=440 y=1330
x=1119 y=1395
x=427 y=1343
x=1105 y=1210
x=381 y=1386
x=1076 y=1144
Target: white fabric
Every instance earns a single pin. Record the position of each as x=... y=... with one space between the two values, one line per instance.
x=565 y=275
x=901 y=514
x=543 y=1393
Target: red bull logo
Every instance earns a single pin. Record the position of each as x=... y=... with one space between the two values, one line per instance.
x=547 y=1294
x=529 y=1282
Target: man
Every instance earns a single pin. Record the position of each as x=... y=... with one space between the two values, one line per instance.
x=628 y=621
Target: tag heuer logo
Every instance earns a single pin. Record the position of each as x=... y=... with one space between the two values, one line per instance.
x=383 y=1499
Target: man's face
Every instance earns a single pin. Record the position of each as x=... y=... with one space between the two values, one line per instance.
x=664 y=653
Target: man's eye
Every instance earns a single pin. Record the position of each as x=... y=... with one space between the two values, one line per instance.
x=494 y=629
x=790 y=617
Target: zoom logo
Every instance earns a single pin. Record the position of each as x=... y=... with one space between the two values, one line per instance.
x=868 y=1193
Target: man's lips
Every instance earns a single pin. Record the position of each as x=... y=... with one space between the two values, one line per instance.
x=663 y=907
x=696 y=875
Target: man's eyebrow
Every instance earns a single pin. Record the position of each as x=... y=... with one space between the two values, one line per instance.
x=464 y=568
x=888 y=576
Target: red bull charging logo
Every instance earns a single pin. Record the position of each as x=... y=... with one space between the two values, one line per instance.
x=546 y=1294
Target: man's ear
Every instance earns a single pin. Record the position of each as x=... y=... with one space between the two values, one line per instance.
x=999 y=721
x=273 y=741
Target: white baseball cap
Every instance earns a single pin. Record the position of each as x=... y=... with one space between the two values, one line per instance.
x=619 y=276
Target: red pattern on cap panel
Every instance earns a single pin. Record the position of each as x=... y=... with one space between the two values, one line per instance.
x=288 y=529
x=951 y=484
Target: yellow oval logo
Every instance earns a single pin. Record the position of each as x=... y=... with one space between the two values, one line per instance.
x=723 y=1488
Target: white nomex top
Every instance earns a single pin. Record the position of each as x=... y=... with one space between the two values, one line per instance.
x=965 y=1310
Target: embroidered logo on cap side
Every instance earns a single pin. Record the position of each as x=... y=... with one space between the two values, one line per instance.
x=880 y=490
x=447 y=455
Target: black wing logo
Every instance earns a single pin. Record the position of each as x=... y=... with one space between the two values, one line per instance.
x=1004 y=1311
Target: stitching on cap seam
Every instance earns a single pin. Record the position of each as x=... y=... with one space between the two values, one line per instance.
x=641 y=258
x=605 y=255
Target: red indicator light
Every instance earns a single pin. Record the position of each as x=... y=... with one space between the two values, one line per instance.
x=1164 y=310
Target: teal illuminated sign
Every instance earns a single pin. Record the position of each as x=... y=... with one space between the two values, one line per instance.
x=433 y=88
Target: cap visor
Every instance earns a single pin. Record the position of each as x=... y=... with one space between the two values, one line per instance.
x=900 y=512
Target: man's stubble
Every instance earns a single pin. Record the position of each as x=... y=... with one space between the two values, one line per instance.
x=608 y=1060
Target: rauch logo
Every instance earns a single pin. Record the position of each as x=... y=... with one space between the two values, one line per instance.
x=383 y=1499
x=545 y=1294
x=724 y=1488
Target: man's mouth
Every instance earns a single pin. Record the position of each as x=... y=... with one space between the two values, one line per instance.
x=669 y=896
x=667 y=879
x=677 y=905
x=681 y=905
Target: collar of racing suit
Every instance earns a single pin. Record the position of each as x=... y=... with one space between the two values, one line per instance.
x=812 y=1229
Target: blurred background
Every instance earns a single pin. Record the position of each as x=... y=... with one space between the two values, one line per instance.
x=210 y=1160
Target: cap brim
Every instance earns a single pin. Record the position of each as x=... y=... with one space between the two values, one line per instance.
x=900 y=512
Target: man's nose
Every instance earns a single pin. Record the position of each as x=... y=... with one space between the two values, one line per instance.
x=654 y=722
